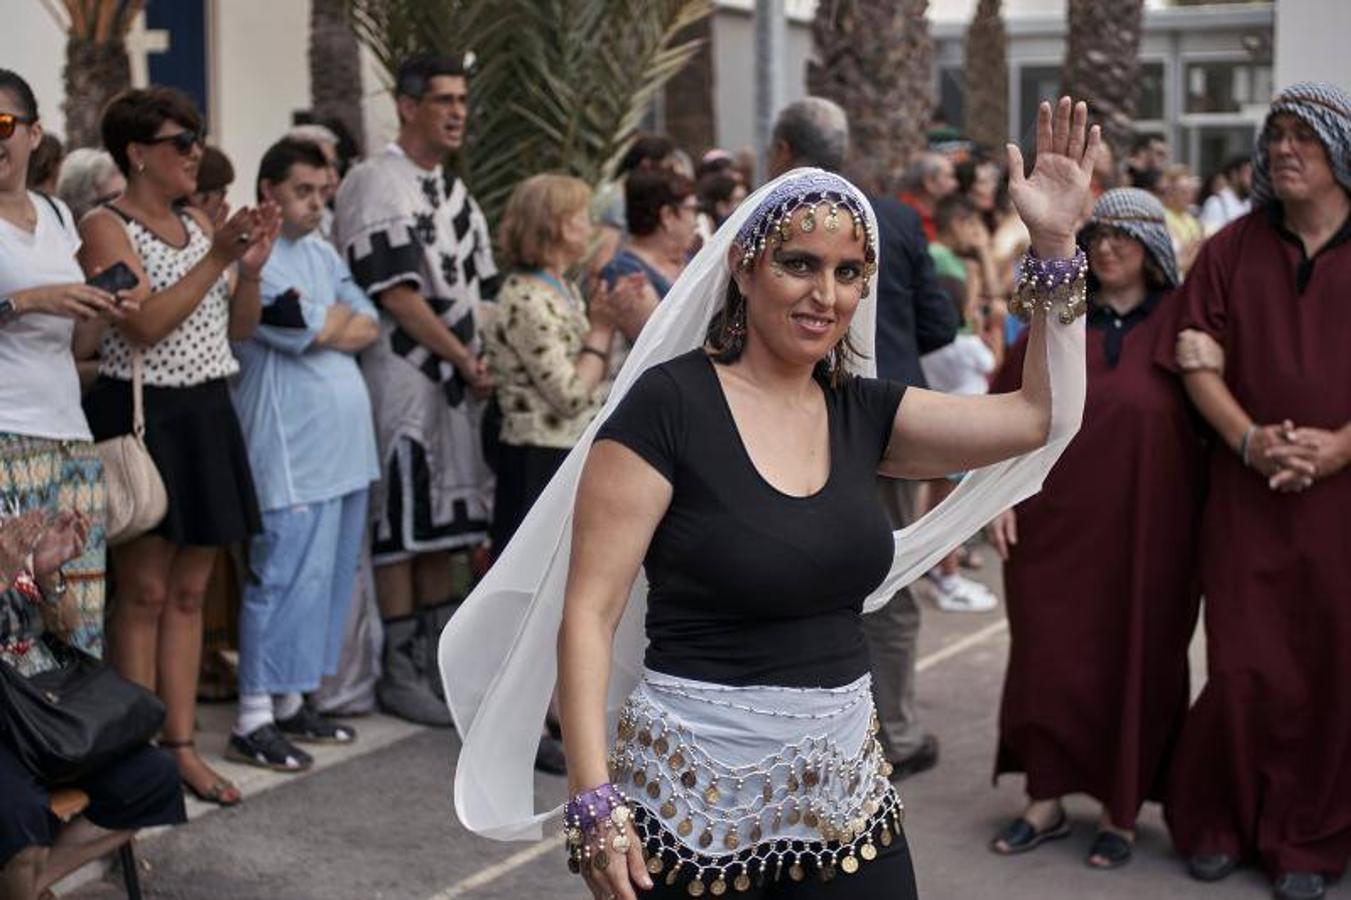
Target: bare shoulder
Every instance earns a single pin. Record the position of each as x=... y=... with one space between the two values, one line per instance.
x=201 y=219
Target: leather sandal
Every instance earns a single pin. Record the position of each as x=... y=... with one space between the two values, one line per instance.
x=222 y=792
x=1021 y=835
x=1109 y=850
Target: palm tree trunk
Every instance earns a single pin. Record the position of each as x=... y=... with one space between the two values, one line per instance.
x=987 y=77
x=335 y=68
x=96 y=71
x=689 y=94
x=1102 y=63
x=875 y=59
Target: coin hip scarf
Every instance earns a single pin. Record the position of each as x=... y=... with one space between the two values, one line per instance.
x=729 y=787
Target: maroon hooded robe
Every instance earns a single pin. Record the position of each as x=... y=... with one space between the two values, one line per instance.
x=1264 y=766
x=1102 y=585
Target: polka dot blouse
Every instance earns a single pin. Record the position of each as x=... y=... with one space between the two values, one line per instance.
x=198 y=350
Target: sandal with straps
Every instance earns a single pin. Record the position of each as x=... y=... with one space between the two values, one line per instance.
x=1109 y=850
x=1020 y=835
x=223 y=791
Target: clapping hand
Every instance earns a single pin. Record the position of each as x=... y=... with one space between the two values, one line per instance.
x=19 y=535
x=1051 y=200
x=266 y=228
x=63 y=541
x=247 y=236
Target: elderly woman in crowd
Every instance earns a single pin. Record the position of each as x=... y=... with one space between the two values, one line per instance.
x=548 y=349
x=177 y=344
x=1100 y=567
x=89 y=178
x=662 y=209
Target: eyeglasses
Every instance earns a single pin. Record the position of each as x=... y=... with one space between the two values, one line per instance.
x=1103 y=235
x=183 y=141
x=10 y=121
x=1300 y=136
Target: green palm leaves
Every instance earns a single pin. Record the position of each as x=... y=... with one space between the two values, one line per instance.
x=558 y=85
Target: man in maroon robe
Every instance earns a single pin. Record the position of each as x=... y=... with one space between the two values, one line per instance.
x=1263 y=769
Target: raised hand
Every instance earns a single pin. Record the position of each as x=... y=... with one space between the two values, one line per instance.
x=1051 y=200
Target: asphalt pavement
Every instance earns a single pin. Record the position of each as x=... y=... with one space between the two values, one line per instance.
x=375 y=821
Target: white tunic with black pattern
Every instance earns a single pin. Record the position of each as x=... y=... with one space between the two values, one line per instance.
x=398 y=223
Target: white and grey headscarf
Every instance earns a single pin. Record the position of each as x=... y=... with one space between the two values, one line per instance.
x=1141 y=215
x=1326 y=109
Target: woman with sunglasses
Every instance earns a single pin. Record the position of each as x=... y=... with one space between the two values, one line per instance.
x=197 y=285
x=1100 y=568
x=47 y=458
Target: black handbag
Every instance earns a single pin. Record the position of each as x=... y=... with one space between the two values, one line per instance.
x=70 y=721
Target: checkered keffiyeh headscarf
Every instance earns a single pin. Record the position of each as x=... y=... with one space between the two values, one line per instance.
x=1139 y=214
x=1326 y=109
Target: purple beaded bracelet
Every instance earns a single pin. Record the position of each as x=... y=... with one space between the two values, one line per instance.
x=1051 y=284
x=589 y=808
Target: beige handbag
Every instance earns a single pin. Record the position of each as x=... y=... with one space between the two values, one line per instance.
x=137 y=500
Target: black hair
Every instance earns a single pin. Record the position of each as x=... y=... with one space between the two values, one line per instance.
x=134 y=117
x=647 y=192
x=275 y=166
x=14 y=83
x=952 y=209
x=1235 y=163
x=417 y=72
x=646 y=148
x=1144 y=139
x=716 y=187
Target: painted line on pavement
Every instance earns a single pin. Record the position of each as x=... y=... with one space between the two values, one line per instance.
x=961 y=646
x=496 y=870
x=534 y=851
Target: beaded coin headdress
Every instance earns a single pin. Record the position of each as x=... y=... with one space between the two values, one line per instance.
x=772 y=219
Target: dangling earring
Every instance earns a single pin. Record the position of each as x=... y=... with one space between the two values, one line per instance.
x=775 y=268
x=735 y=331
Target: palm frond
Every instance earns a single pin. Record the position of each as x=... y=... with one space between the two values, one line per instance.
x=559 y=85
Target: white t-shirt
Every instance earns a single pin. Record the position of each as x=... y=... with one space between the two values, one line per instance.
x=39 y=387
x=962 y=367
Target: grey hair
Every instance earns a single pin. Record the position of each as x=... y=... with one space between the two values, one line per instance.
x=816 y=131
x=924 y=166
x=81 y=172
x=315 y=134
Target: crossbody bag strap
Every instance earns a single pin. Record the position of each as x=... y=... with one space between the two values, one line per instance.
x=137 y=404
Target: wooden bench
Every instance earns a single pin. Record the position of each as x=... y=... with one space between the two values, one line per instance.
x=68 y=803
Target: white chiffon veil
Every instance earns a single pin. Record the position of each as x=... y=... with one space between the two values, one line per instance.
x=498 y=654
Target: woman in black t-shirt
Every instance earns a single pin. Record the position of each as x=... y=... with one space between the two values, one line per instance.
x=740 y=477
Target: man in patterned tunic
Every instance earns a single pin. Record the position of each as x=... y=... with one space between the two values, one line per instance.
x=419 y=245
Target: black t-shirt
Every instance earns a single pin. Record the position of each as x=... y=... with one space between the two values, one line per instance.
x=748 y=585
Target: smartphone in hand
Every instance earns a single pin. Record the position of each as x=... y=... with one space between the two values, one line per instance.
x=116 y=278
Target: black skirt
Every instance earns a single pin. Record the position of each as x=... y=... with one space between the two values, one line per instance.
x=194 y=437
x=523 y=472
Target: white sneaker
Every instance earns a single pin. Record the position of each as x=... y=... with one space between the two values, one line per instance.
x=955 y=593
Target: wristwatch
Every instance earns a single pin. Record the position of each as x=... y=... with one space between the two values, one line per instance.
x=8 y=311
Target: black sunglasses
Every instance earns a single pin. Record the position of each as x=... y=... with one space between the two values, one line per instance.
x=10 y=121
x=183 y=142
